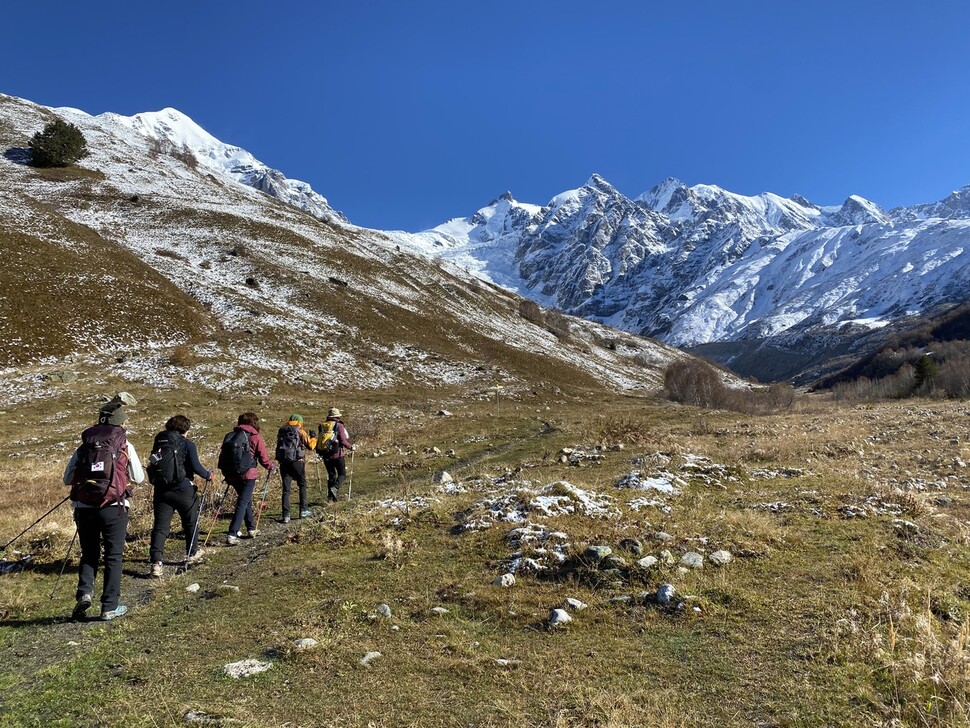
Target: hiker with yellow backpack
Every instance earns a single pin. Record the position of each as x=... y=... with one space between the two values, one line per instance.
x=333 y=443
x=292 y=445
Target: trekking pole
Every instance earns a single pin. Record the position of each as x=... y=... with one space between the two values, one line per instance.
x=262 y=500
x=350 y=480
x=198 y=520
x=64 y=566
x=4 y=547
x=320 y=482
x=216 y=516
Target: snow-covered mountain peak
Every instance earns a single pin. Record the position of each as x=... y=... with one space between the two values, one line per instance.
x=668 y=197
x=860 y=211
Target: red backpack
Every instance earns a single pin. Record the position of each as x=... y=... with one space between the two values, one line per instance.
x=101 y=469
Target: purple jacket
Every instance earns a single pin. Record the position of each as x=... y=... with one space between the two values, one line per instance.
x=258 y=448
x=341 y=429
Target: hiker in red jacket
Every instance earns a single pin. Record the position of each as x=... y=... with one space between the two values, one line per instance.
x=244 y=481
x=333 y=457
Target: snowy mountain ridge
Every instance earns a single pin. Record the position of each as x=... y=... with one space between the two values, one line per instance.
x=694 y=265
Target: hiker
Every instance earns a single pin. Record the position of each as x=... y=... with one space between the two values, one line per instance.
x=332 y=445
x=99 y=473
x=172 y=468
x=242 y=450
x=292 y=445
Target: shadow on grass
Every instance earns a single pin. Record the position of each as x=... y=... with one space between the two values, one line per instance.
x=18 y=155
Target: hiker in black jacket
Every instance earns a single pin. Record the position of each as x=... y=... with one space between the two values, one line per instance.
x=175 y=494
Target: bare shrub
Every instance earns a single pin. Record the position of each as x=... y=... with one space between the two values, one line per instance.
x=182 y=356
x=530 y=311
x=694 y=382
x=558 y=324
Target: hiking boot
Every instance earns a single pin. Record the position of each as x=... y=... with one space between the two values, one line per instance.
x=118 y=611
x=158 y=571
x=197 y=556
x=232 y=540
x=81 y=608
x=285 y=519
x=306 y=513
x=252 y=533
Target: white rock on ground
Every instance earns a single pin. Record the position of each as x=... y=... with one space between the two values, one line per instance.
x=193 y=588
x=647 y=562
x=559 y=618
x=367 y=659
x=692 y=560
x=439 y=611
x=665 y=594
x=575 y=604
x=504 y=580
x=443 y=478
x=305 y=643
x=384 y=610
x=720 y=558
x=246 y=668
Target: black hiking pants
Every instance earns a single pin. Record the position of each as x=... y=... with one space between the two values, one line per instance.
x=290 y=471
x=336 y=472
x=183 y=500
x=99 y=528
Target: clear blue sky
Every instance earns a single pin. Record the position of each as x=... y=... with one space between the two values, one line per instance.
x=405 y=113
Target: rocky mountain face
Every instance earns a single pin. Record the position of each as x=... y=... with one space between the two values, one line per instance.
x=701 y=266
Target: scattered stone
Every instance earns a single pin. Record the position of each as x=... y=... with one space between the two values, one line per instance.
x=440 y=611
x=443 y=478
x=450 y=453
x=633 y=545
x=502 y=662
x=304 y=644
x=444 y=413
x=575 y=604
x=367 y=659
x=597 y=553
x=559 y=618
x=504 y=580
x=720 y=558
x=384 y=610
x=127 y=399
x=665 y=594
x=622 y=599
x=62 y=377
x=227 y=589
x=647 y=562
x=663 y=536
x=667 y=557
x=246 y=668
x=193 y=588
x=200 y=718
x=692 y=560
x=395 y=628
x=614 y=563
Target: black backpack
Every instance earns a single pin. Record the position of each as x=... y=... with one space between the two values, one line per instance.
x=289 y=444
x=166 y=464
x=101 y=467
x=236 y=457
